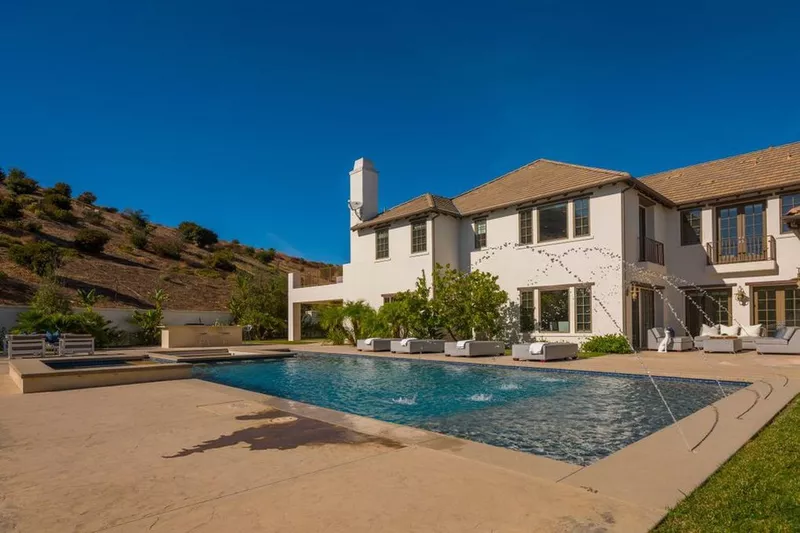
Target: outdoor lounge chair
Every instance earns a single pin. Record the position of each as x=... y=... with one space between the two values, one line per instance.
x=785 y=341
x=374 y=345
x=74 y=344
x=678 y=344
x=473 y=348
x=417 y=346
x=25 y=346
x=544 y=351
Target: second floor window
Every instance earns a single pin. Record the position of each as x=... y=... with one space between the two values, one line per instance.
x=787 y=202
x=480 y=234
x=691 y=227
x=419 y=237
x=526 y=227
x=553 y=222
x=581 y=216
x=382 y=243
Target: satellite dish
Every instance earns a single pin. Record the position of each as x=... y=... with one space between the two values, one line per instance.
x=355 y=207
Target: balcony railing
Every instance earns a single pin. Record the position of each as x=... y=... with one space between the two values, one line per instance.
x=323 y=276
x=651 y=250
x=741 y=250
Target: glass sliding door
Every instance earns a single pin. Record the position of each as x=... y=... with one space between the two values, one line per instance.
x=707 y=307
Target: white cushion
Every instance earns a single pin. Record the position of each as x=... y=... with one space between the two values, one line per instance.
x=753 y=330
x=731 y=331
x=709 y=331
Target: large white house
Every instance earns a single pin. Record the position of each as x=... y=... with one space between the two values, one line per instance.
x=588 y=251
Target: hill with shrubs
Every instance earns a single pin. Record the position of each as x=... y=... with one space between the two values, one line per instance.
x=52 y=233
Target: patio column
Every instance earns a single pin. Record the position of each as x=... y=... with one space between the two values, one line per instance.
x=295 y=322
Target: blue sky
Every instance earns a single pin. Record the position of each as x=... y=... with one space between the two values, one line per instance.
x=246 y=116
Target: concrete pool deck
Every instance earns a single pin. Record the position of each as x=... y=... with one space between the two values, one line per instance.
x=192 y=455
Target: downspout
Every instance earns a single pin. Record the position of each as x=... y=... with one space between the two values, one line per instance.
x=624 y=270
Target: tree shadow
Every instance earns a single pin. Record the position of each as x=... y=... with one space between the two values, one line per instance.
x=109 y=295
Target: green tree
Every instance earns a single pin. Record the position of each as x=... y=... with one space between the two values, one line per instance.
x=197 y=234
x=49 y=298
x=149 y=321
x=87 y=197
x=18 y=182
x=91 y=240
x=62 y=189
x=348 y=322
x=41 y=258
x=260 y=300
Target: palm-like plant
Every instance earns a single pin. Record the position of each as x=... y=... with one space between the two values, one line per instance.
x=89 y=298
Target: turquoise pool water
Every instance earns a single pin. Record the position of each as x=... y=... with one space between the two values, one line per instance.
x=577 y=417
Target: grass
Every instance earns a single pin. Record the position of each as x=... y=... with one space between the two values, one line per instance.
x=758 y=489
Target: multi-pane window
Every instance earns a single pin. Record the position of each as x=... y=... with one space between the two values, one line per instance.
x=480 y=234
x=419 y=237
x=691 y=226
x=712 y=306
x=553 y=222
x=554 y=310
x=382 y=243
x=526 y=319
x=792 y=304
x=776 y=306
x=766 y=309
x=526 y=227
x=583 y=309
x=581 y=216
x=787 y=202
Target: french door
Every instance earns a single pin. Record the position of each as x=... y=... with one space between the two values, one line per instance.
x=643 y=316
x=776 y=306
x=741 y=233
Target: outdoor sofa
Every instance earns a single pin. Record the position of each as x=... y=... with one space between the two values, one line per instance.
x=473 y=348
x=544 y=351
x=748 y=334
x=786 y=340
x=417 y=346
x=374 y=345
x=678 y=344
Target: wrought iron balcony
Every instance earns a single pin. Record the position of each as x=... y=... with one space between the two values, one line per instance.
x=651 y=250
x=741 y=250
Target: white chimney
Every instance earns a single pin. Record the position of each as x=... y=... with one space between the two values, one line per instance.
x=363 y=191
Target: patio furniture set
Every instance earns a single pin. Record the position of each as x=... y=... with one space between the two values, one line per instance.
x=731 y=339
x=542 y=351
x=68 y=344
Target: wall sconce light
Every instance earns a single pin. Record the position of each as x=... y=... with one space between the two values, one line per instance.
x=741 y=296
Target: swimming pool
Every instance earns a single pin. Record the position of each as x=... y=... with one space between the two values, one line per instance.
x=577 y=417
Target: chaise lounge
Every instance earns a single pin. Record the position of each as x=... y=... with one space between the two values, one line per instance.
x=785 y=341
x=473 y=348
x=374 y=345
x=417 y=346
x=544 y=351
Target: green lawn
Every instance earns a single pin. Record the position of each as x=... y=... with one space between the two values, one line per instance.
x=758 y=489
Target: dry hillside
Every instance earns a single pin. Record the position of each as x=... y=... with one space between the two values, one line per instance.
x=124 y=275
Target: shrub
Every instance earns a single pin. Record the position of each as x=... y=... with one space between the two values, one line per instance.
x=7 y=242
x=138 y=238
x=111 y=210
x=87 y=198
x=260 y=301
x=19 y=183
x=42 y=258
x=194 y=233
x=49 y=209
x=221 y=260
x=171 y=249
x=2 y=175
x=32 y=226
x=49 y=299
x=93 y=216
x=91 y=240
x=250 y=251
x=10 y=209
x=137 y=218
x=207 y=273
x=615 y=343
x=266 y=256
x=62 y=189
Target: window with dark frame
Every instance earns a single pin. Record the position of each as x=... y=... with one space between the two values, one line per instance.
x=382 y=243
x=691 y=226
x=554 y=310
x=480 y=234
x=526 y=226
x=553 y=222
x=787 y=202
x=583 y=309
x=419 y=237
x=526 y=319
x=581 y=216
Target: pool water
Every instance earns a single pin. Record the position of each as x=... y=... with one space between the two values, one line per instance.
x=578 y=417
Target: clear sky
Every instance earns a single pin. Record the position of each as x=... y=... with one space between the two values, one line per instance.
x=246 y=116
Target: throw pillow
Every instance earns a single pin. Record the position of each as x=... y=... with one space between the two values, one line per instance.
x=709 y=331
x=788 y=332
x=731 y=331
x=751 y=331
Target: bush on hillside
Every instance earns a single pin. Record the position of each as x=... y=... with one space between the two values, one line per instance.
x=139 y=238
x=58 y=208
x=62 y=189
x=87 y=198
x=615 y=343
x=221 y=260
x=93 y=216
x=266 y=256
x=111 y=210
x=197 y=234
x=91 y=240
x=10 y=208
x=19 y=183
x=41 y=258
x=2 y=175
x=31 y=226
x=137 y=218
x=170 y=249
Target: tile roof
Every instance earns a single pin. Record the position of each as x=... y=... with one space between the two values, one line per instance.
x=424 y=203
x=766 y=169
x=535 y=181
